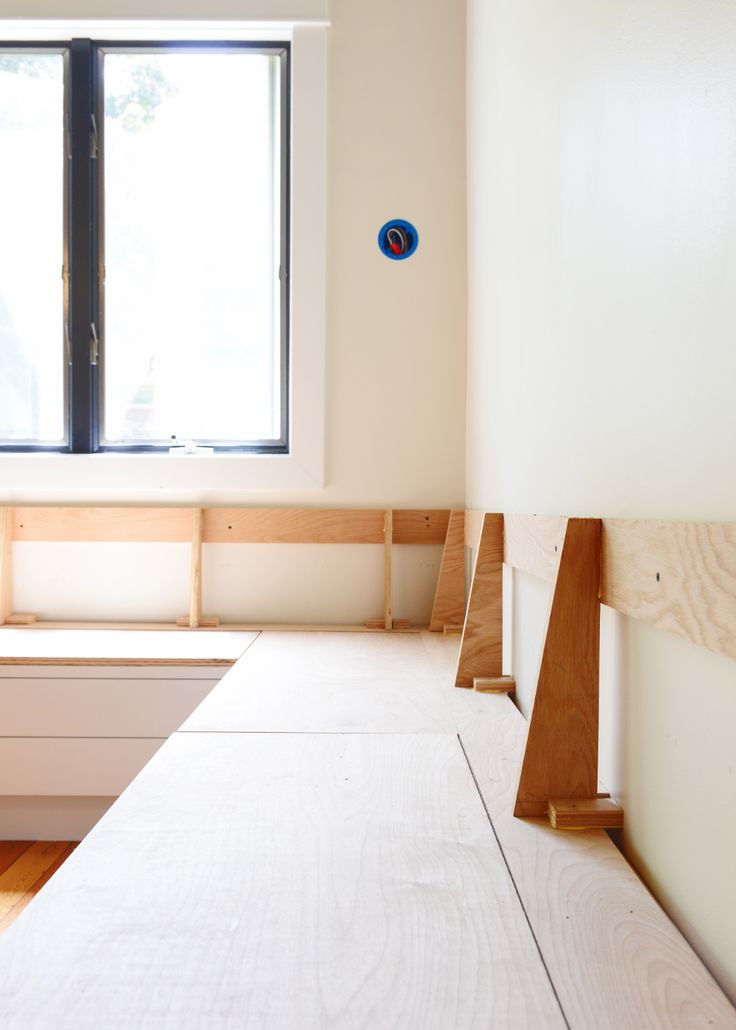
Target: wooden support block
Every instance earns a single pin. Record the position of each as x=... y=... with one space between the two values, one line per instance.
x=381 y=624
x=585 y=814
x=205 y=622
x=453 y=630
x=561 y=755
x=449 y=598
x=388 y=541
x=21 y=619
x=195 y=590
x=482 y=643
x=6 y=563
x=494 y=684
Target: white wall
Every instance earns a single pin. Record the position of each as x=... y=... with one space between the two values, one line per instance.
x=602 y=163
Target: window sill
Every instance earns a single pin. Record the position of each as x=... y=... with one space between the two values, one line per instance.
x=151 y=478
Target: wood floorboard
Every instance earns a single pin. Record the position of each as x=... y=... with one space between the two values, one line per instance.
x=22 y=877
x=10 y=850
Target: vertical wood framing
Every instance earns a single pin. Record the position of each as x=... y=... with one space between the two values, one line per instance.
x=6 y=563
x=481 y=650
x=388 y=536
x=561 y=755
x=449 y=598
x=195 y=594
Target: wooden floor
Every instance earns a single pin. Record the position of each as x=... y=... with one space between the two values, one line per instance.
x=329 y=842
x=25 y=866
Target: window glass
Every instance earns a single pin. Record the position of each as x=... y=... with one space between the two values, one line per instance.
x=191 y=341
x=32 y=366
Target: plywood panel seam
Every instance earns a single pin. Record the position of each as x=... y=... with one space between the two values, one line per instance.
x=513 y=880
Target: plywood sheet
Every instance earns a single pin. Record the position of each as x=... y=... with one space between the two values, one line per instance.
x=284 y=881
x=615 y=958
x=337 y=682
x=678 y=576
x=533 y=543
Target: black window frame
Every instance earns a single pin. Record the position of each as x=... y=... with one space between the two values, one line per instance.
x=81 y=333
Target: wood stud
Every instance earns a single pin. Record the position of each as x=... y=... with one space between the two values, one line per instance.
x=195 y=597
x=388 y=535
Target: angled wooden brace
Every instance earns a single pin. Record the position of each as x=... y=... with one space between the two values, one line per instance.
x=482 y=643
x=449 y=599
x=561 y=755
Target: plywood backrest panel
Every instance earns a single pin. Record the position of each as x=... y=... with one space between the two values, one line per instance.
x=678 y=576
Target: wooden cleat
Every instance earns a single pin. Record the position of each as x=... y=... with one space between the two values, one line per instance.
x=206 y=622
x=585 y=814
x=452 y=630
x=494 y=684
x=20 y=619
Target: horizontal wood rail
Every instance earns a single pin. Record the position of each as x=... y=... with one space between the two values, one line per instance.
x=199 y=526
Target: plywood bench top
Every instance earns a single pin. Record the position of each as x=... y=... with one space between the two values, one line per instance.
x=121 y=647
x=349 y=859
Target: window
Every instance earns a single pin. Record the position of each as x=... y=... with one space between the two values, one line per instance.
x=144 y=265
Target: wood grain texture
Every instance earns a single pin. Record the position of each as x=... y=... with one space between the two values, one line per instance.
x=420 y=525
x=10 y=850
x=481 y=649
x=449 y=598
x=21 y=881
x=616 y=960
x=329 y=682
x=532 y=543
x=285 y=881
x=195 y=584
x=473 y=527
x=595 y=813
x=678 y=576
x=293 y=526
x=27 y=869
x=229 y=525
x=388 y=558
x=140 y=525
x=561 y=756
x=6 y=563
x=494 y=684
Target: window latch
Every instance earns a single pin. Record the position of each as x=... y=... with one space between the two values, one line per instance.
x=93 y=140
x=94 y=344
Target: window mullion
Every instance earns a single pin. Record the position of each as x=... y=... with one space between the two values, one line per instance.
x=83 y=245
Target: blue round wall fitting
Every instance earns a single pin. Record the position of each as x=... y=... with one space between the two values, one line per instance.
x=398 y=239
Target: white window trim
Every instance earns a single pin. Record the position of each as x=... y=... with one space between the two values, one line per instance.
x=49 y=477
